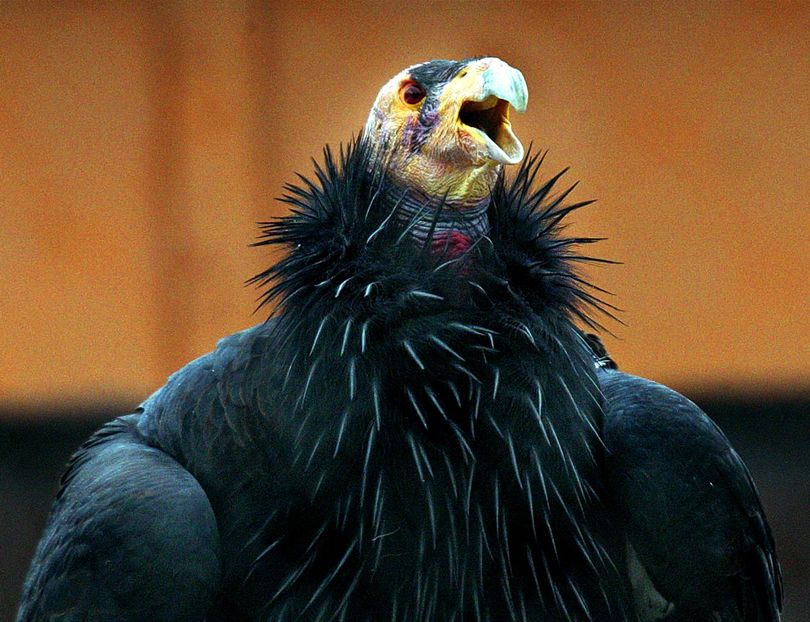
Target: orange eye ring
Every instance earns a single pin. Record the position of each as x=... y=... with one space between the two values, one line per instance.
x=412 y=93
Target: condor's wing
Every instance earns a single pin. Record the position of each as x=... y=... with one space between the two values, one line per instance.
x=131 y=537
x=699 y=546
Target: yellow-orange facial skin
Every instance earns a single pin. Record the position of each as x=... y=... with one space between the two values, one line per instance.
x=428 y=146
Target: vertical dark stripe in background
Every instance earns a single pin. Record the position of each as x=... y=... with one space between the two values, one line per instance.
x=172 y=277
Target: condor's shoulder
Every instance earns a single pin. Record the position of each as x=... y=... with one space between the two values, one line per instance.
x=207 y=397
x=643 y=413
x=691 y=513
x=226 y=365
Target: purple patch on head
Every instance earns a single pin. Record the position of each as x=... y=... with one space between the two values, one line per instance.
x=419 y=129
x=429 y=118
x=408 y=133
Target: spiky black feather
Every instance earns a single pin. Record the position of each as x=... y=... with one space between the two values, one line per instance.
x=423 y=332
x=326 y=237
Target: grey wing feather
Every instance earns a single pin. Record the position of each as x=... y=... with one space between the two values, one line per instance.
x=131 y=536
x=688 y=506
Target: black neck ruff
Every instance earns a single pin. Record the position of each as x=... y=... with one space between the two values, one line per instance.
x=351 y=228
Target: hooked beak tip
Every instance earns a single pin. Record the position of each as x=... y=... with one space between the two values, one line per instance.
x=507 y=83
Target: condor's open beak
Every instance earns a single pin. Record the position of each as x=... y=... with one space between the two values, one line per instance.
x=486 y=90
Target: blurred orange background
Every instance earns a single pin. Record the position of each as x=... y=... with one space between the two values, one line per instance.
x=140 y=142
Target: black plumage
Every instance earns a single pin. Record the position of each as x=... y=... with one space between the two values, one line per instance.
x=414 y=435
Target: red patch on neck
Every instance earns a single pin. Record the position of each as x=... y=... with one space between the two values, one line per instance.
x=453 y=243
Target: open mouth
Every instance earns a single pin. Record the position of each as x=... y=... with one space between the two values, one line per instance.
x=488 y=121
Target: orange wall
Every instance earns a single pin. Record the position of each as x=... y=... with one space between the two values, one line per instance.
x=139 y=143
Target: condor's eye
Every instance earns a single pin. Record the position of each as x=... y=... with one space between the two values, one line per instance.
x=412 y=93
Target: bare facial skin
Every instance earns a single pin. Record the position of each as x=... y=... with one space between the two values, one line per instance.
x=443 y=127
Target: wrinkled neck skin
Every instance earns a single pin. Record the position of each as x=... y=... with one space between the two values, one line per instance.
x=447 y=200
x=435 y=218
